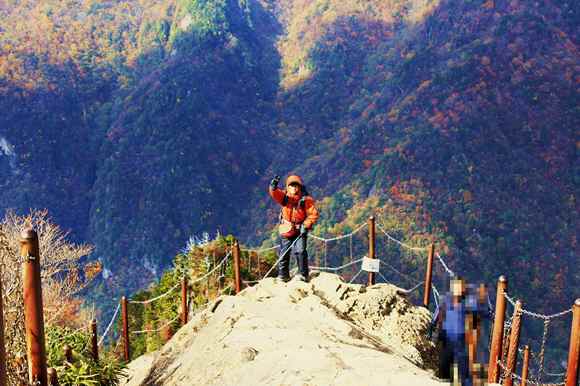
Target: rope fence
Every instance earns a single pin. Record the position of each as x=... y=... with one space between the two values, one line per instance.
x=110 y=324
x=507 y=340
x=148 y=301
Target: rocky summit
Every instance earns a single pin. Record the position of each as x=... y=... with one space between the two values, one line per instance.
x=326 y=332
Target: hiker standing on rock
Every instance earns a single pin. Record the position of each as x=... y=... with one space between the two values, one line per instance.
x=297 y=218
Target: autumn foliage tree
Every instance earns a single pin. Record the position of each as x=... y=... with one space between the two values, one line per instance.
x=62 y=279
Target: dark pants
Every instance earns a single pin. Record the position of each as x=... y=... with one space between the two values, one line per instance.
x=298 y=251
x=453 y=352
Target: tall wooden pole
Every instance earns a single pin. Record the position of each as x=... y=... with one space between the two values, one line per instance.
x=574 y=352
x=512 y=357
x=125 y=318
x=3 y=380
x=428 y=276
x=497 y=336
x=371 y=221
x=525 y=366
x=94 y=341
x=33 y=316
x=237 y=276
x=184 y=308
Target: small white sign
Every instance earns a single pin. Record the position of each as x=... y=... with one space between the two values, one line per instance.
x=370 y=265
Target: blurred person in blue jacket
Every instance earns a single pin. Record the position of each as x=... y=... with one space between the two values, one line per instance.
x=451 y=318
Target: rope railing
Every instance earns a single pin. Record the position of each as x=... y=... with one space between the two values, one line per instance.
x=355 y=276
x=402 y=244
x=435 y=295
x=157 y=297
x=336 y=268
x=369 y=266
x=405 y=276
x=326 y=240
x=110 y=324
x=281 y=257
x=408 y=291
x=157 y=329
x=260 y=250
x=440 y=259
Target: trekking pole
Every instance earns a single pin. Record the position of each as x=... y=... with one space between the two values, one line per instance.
x=497 y=336
x=33 y=310
x=428 y=276
x=574 y=352
x=371 y=220
x=512 y=357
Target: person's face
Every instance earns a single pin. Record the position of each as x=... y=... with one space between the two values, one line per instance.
x=457 y=288
x=293 y=189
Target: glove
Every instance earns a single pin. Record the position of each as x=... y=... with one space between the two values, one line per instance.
x=303 y=230
x=274 y=182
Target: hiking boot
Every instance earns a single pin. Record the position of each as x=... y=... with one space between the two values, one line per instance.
x=300 y=277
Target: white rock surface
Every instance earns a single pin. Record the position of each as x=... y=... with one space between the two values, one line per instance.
x=321 y=333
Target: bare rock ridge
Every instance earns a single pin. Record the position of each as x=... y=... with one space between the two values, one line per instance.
x=322 y=333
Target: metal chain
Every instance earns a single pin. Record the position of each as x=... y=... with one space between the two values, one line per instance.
x=506 y=337
x=535 y=314
x=542 y=350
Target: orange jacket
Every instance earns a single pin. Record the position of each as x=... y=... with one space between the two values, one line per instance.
x=292 y=210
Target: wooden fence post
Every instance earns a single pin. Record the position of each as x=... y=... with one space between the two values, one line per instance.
x=237 y=276
x=125 y=317
x=3 y=380
x=525 y=366
x=512 y=357
x=33 y=316
x=574 y=352
x=52 y=377
x=184 y=308
x=497 y=336
x=94 y=341
x=428 y=276
x=371 y=221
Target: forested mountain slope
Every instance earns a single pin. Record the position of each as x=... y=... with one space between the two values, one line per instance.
x=140 y=123
x=458 y=115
